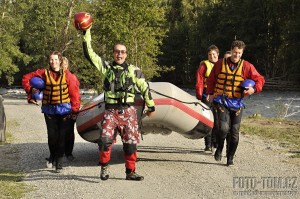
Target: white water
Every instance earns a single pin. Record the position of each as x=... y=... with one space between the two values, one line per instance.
x=274 y=104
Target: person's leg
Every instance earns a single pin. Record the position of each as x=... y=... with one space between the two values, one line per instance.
x=52 y=129
x=130 y=155
x=104 y=158
x=208 y=137
x=214 y=144
x=104 y=155
x=207 y=142
x=223 y=121
x=236 y=117
x=106 y=140
x=227 y=143
x=70 y=139
x=130 y=138
x=61 y=138
x=214 y=132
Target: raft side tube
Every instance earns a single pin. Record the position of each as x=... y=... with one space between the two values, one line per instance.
x=176 y=110
x=92 y=134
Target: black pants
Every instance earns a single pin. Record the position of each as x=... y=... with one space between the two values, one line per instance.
x=70 y=138
x=57 y=127
x=228 y=122
x=210 y=138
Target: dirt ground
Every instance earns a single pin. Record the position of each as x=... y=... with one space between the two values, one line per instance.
x=173 y=166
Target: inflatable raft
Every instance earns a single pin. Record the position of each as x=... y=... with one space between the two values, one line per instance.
x=176 y=110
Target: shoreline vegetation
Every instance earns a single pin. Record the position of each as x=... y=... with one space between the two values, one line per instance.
x=285 y=132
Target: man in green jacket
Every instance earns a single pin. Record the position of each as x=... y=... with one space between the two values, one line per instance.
x=120 y=81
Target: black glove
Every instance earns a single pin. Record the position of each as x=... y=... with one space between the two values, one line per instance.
x=151 y=109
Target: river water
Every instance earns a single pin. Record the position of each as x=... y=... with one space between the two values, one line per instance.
x=284 y=104
x=272 y=104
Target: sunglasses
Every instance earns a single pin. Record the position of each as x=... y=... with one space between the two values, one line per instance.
x=120 y=51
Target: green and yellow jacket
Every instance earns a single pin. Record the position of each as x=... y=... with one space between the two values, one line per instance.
x=120 y=80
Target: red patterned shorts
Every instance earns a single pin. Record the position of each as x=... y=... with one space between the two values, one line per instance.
x=125 y=122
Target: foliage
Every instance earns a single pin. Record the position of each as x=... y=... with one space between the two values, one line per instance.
x=269 y=28
x=180 y=47
x=47 y=29
x=137 y=24
x=10 y=28
x=164 y=38
x=49 y=26
x=289 y=54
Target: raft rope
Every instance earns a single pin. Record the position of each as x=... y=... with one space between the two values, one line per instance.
x=98 y=104
x=195 y=103
x=159 y=93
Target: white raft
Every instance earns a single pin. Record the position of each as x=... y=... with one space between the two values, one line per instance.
x=176 y=110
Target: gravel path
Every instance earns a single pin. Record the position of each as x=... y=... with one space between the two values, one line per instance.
x=173 y=166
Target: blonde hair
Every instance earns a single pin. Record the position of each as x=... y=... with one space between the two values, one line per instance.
x=65 y=62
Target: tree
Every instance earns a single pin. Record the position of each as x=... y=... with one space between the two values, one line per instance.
x=288 y=53
x=10 y=28
x=49 y=27
x=161 y=35
x=181 y=46
x=138 y=24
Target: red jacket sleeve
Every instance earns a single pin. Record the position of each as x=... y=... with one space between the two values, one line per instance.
x=26 y=80
x=249 y=72
x=74 y=91
x=200 y=76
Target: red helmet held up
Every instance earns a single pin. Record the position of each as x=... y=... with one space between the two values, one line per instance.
x=83 y=21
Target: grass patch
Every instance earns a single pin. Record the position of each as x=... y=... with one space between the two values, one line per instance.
x=296 y=155
x=286 y=132
x=12 y=123
x=9 y=137
x=11 y=185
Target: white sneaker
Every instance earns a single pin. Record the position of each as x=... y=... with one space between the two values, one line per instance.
x=213 y=150
x=49 y=163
